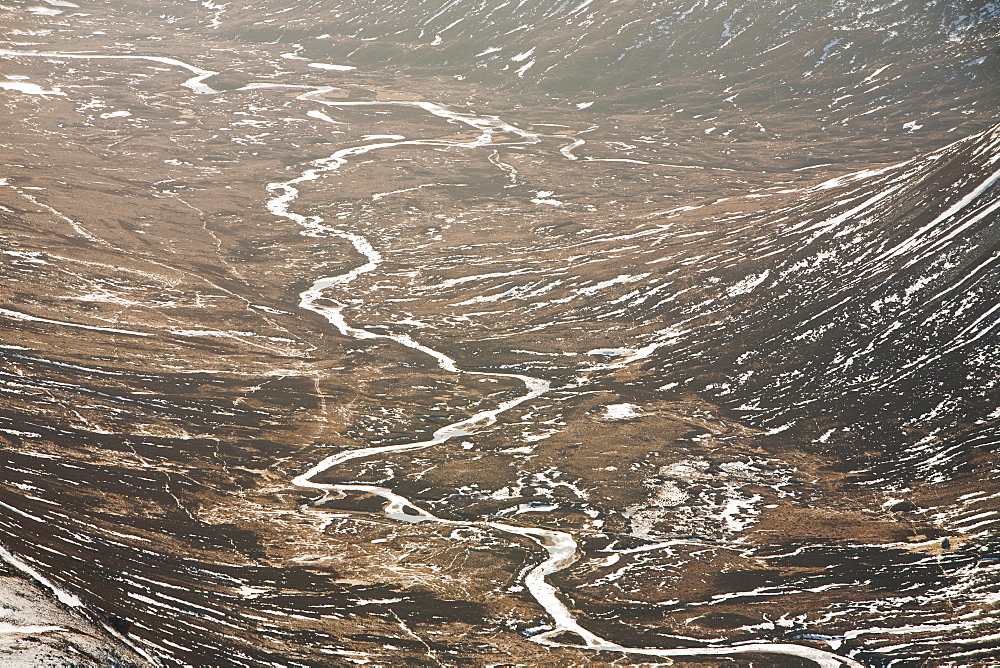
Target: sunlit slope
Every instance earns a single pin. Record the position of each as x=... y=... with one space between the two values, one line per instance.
x=829 y=62
x=861 y=303
x=869 y=308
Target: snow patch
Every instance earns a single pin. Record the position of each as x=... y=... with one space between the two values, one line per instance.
x=621 y=412
x=328 y=66
x=29 y=88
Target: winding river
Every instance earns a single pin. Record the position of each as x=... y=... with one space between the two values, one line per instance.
x=560 y=547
